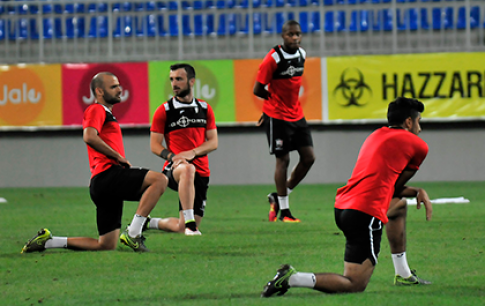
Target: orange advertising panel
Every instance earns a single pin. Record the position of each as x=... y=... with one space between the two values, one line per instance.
x=30 y=95
x=249 y=107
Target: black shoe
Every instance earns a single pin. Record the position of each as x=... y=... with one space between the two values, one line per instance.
x=279 y=284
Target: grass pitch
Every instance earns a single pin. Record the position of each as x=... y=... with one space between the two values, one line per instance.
x=237 y=254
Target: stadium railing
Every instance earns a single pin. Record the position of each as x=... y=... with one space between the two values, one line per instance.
x=107 y=31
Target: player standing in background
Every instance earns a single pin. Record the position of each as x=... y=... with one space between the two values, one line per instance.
x=387 y=160
x=283 y=118
x=112 y=181
x=189 y=129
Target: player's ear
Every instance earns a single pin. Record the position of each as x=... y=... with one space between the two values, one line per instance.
x=192 y=82
x=99 y=91
x=408 y=123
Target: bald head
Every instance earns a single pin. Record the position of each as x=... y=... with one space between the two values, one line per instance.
x=98 y=81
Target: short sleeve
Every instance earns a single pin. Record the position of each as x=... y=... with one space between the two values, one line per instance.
x=211 y=119
x=420 y=153
x=159 y=118
x=266 y=69
x=94 y=116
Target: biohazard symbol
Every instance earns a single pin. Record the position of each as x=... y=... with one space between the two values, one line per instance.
x=352 y=87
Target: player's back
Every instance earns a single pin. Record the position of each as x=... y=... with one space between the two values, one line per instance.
x=385 y=154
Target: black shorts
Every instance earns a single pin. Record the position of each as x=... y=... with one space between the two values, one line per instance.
x=285 y=136
x=201 y=185
x=363 y=235
x=109 y=189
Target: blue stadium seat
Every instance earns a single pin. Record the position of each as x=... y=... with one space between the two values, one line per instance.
x=280 y=3
x=18 y=29
x=436 y=14
x=2 y=23
x=209 y=18
x=448 y=18
x=98 y=24
x=340 y=24
x=227 y=23
x=474 y=17
x=315 y=22
x=173 y=28
x=124 y=20
x=387 y=20
x=199 y=26
x=376 y=18
x=423 y=20
x=329 y=22
x=303 y=20
x=75 y=23
x=359 y=21
x=257 y=24
x=161 y=8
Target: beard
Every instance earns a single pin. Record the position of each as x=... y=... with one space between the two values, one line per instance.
x=183 y=93
x=111 y=99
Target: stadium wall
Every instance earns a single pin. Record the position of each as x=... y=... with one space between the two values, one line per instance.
x=57 y=159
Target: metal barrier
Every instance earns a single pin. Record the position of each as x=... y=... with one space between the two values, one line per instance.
x=111 y=31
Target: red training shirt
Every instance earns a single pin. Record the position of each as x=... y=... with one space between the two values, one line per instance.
x=100 y=117
x=284 y=103
x=385 y=154
x=185 y=138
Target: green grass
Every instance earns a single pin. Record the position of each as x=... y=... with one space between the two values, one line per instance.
x=238 y=252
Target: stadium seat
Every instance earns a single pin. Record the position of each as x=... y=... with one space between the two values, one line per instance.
x=199 y=26
x=329 y=22
x=124 y=19
x=17 y=29
x=2 y=23
x=423 y=20
x=387 y=20
x=448 y=18
x=340 y=21
x=98 y=24
x=161 y=8
x=314 y=25
x=436 y=14
x=359 y=21
x=303 y=20
x=474 y=18
x=75 y=23
x=210 y=17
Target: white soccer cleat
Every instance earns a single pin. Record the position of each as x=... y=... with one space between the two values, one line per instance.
x=189 y=232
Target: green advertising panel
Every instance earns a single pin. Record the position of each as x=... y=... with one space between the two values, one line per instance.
x=214 y=84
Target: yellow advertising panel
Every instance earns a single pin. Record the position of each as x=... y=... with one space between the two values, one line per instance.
x=451 y=85
x=30 y=95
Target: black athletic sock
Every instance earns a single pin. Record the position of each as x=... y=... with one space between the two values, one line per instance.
x=191 y=225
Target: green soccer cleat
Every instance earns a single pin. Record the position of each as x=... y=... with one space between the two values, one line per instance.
x=137 y=244
x=412 y=280
x=279 y=284
x=37 y=243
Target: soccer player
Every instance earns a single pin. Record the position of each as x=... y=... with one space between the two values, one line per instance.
x=389 y=157
x=283 y=118
x=112 y=181
x=188 y=127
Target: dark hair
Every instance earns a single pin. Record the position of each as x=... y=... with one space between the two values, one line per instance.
x=402 y=108
x=288 y=24
x=98 y=81
x=188 y=68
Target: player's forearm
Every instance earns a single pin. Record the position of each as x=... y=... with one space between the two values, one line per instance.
x=99 y=145
x=260 y=91
x=206 y=147
x=409 y=191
